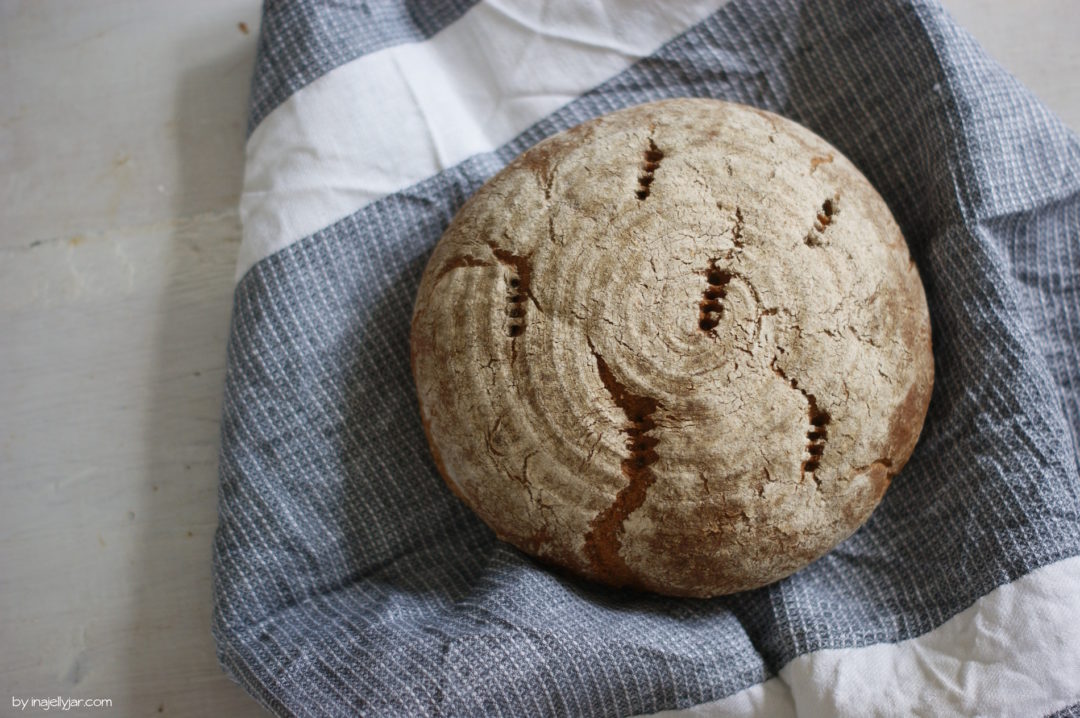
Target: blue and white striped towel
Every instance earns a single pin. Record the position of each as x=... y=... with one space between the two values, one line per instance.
x=349 y=581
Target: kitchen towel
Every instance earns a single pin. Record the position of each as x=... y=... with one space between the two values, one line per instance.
x=347 y=578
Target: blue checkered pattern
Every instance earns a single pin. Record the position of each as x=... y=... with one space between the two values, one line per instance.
x=348 y=580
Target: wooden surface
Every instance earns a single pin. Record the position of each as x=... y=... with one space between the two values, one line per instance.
x=121 y=149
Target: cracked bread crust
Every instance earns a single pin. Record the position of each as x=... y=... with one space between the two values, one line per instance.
x=680 y=348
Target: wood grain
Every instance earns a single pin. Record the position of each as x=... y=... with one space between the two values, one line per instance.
x=122 y=145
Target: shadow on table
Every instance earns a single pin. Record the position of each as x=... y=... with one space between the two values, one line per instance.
x=170 y=661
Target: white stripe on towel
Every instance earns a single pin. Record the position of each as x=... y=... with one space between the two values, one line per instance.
x=1014 y=652
x=390 y=119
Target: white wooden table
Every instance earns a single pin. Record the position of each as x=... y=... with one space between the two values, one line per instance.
x=121 y=150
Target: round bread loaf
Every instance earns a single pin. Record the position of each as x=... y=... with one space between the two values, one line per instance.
x=681 y=347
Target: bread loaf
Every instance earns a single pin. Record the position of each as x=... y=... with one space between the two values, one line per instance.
x=681 y=348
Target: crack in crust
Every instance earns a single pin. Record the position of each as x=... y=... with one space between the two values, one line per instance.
x=603 y=541
x=817 y=434
x=737 y=229
x=820 y=160
x=710 y=308
x=457 y=263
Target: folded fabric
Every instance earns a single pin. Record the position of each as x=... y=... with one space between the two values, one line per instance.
x=349 y=581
